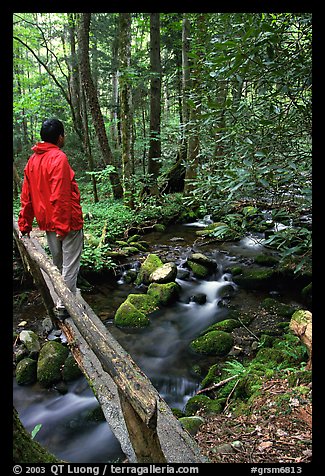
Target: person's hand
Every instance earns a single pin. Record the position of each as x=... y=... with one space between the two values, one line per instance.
x=59 y=237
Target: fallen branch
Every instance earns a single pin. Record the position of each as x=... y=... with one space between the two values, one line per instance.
x=217 y=385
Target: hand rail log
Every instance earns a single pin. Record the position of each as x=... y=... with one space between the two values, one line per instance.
x=123 y=390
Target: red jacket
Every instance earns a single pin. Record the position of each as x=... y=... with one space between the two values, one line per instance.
x=50 y=192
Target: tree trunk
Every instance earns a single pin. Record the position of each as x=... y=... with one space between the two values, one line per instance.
x=74 y=83
x=25 y=449
x=126 y=107
x=155 y=103
x=185 y=87
x=193 y=148
x=301 y=326
x=93 y=102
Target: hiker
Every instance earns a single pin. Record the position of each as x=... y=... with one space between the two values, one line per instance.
x=50 y=194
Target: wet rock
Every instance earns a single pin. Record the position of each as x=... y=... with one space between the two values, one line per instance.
x=199 y=298
x=127 y=315
x=192 y=423
x=151 y=263
x=164 y=293
x=70 y=371
x=31 y=342
x=50 y=361
x=26 y=371
x=213 y=343
x=164 y=274
x=183 y=273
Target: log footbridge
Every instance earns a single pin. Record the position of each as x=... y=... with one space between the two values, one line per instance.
x=138 y=416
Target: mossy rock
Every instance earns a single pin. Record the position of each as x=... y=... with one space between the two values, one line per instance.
x=217 y=343
x=205 y=404
x=31 y=342
x=164 y=293
x=266 y=260
x=204 y=260
x=164 y=274
x=151 y=263
x=256 y=278
x=26 y=371
x=247 y=386
x=145 y=303
x=50 y=362
x=159 y=227
x=227 y=325
x=212 y=376
x=71 y=370
x=127 y=315
x=236 y=270
x=199 y=270
x=191 y=423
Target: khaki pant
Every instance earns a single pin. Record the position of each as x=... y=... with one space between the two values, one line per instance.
x=66 y=255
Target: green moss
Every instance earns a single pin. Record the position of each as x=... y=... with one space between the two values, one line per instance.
x=164 y=293
x=51 y=359
x=127 y=315
x=26 y=371
x=227 y=325
x=301 y=376
x=205 y=404
x=199 y=270
x=279 y=308
x=145 y=303
x=71 y=369
x=191 y=423
x=212 y=376
x=256 y=278
x=266 y=260
x=213 y=343
x=151 y=263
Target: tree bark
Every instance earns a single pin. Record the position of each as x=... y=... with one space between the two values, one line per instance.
x=126 y=106
x=154 y=157
x=93 y=102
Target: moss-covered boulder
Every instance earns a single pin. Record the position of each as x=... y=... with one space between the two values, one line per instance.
x=199 y=270
x=70 y=370
x=227 y=325
x=266 y=260
x=26 y=371
x=192 y=423
x=164 y=274
x=50 y=362
x=206 y=405
x=164 y=294
x=204 y=260
x=127 y=315
x=151 y=263
x=260 y=279
x=217 y=343
x=31 y=342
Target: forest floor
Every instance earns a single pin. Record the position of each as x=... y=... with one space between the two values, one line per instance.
x=269 y=432
x=275 y=427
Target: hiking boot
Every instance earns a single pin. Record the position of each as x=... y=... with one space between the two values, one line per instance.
x=60 y=311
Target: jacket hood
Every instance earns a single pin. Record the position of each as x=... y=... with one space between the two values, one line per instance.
x=42 y=147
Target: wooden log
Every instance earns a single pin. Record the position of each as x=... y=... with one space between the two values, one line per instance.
x=301 y=326
x=128 y=377
x=120 y=386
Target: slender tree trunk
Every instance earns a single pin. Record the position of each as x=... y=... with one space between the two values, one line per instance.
x=193 y=149
x=93 y=102
x=125 y=101
x=74 y=82
x=185 y=86
x=86 y=141
x=115 y=91
x=154 y=158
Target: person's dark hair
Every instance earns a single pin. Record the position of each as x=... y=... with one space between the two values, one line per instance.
x=51 y=130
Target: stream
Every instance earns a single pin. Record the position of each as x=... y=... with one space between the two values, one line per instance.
x=160 y=350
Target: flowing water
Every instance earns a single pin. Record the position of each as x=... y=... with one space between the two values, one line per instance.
x=161 y=350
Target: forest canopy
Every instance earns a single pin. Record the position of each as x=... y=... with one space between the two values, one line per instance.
x=216 y=107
